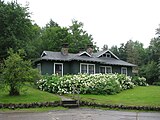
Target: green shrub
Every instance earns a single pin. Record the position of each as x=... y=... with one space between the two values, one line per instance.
x=139 y=81
x=156 y=83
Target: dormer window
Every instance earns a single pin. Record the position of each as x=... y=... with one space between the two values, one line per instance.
x=108 y=55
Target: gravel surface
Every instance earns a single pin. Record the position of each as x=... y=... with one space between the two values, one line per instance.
x=81 y=114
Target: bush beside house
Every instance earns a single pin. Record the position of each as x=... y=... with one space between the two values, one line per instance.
x=89 y=84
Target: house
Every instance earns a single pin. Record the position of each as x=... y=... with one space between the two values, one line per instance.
x=63 y=63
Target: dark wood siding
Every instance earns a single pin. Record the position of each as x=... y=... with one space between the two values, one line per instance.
x=67 y=68
x=47 y=67
x=75 y=67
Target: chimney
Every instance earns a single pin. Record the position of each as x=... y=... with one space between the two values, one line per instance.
x=90 y=49
x=64 y=49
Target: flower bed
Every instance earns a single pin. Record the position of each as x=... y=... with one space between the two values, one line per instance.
x=86 y=84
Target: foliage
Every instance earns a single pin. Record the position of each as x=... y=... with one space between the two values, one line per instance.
x=15 y=27
x=86 y=84
x=150 y=72
x=156 y=83
x=16 y=72
x=139 y=81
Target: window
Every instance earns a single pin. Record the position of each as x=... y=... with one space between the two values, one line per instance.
x=84 y=68
x=105 y=69
x=91 y=69
x=124 y=70
x=58 y=68
x=108 y=69
x=39 y=67
x=102 y=70
x=87 y=68
x=108 y=55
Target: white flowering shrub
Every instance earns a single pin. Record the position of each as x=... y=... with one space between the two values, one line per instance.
x=86 y=84
x=139 y=81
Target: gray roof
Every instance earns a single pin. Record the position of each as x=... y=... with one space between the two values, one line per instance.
x=58 y=56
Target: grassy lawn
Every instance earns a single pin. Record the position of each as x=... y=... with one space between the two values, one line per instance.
x=141 y=96
x=31 y=95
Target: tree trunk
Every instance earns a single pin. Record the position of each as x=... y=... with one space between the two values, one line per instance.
x=13 y=91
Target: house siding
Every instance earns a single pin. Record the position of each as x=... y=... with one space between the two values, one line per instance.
x=67 y=68
x=47 y=67
x=75 y=67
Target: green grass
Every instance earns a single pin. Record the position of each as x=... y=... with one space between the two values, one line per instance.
x=139 y=96
x=43 y=109
x=30 y=96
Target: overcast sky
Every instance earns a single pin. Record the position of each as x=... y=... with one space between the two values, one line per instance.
x=110 y=22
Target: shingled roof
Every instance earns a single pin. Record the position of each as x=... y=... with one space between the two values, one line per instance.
x=85 y=57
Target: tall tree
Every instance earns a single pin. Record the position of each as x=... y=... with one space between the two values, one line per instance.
x=79 y=37
x=105 y=47
x=15 y=27
x=122 y=52
x=53 y=36
x=135 y=52
x=115 y=50
x=154 y=49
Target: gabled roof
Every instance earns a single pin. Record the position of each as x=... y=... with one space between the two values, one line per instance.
x=85 y=57
x=106 y=51
x=84 y=53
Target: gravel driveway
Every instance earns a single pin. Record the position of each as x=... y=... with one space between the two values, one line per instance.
x=81 y=114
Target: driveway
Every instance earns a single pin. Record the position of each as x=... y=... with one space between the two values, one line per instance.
x=81 y=114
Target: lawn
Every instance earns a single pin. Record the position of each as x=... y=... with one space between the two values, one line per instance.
x=139 y=96
x=30 y=96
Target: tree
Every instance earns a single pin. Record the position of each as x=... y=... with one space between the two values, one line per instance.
x=79 y=37
x=115 y=50
x=16 y=72
x=105 y=47
x=154 y=49
x=15 y=27
x=135 y=52
x=150 y=72
x=122 y=52
x=53 y=36
x=159 y=70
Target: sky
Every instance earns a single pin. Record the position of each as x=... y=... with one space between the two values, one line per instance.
x=110 y=22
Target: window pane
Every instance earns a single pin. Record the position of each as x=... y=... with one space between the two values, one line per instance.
x=102 y=70
x=91 y=69
x=58 y=69
x=124 y=71
x=108 y=70
x=83 y=68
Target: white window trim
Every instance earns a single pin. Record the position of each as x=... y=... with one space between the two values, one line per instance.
x=106 y=68
x=122 y=70
x=87 y=67
x=55 y=67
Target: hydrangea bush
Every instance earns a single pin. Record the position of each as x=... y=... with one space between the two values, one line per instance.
x=86 y=84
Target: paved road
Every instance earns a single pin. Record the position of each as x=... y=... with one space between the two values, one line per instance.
x=81 y=114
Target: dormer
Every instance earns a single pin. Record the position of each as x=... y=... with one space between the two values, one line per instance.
x=43 y=53
x=107 y=54
x=84 y=53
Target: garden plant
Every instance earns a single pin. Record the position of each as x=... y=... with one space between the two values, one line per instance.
x=89 y=84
